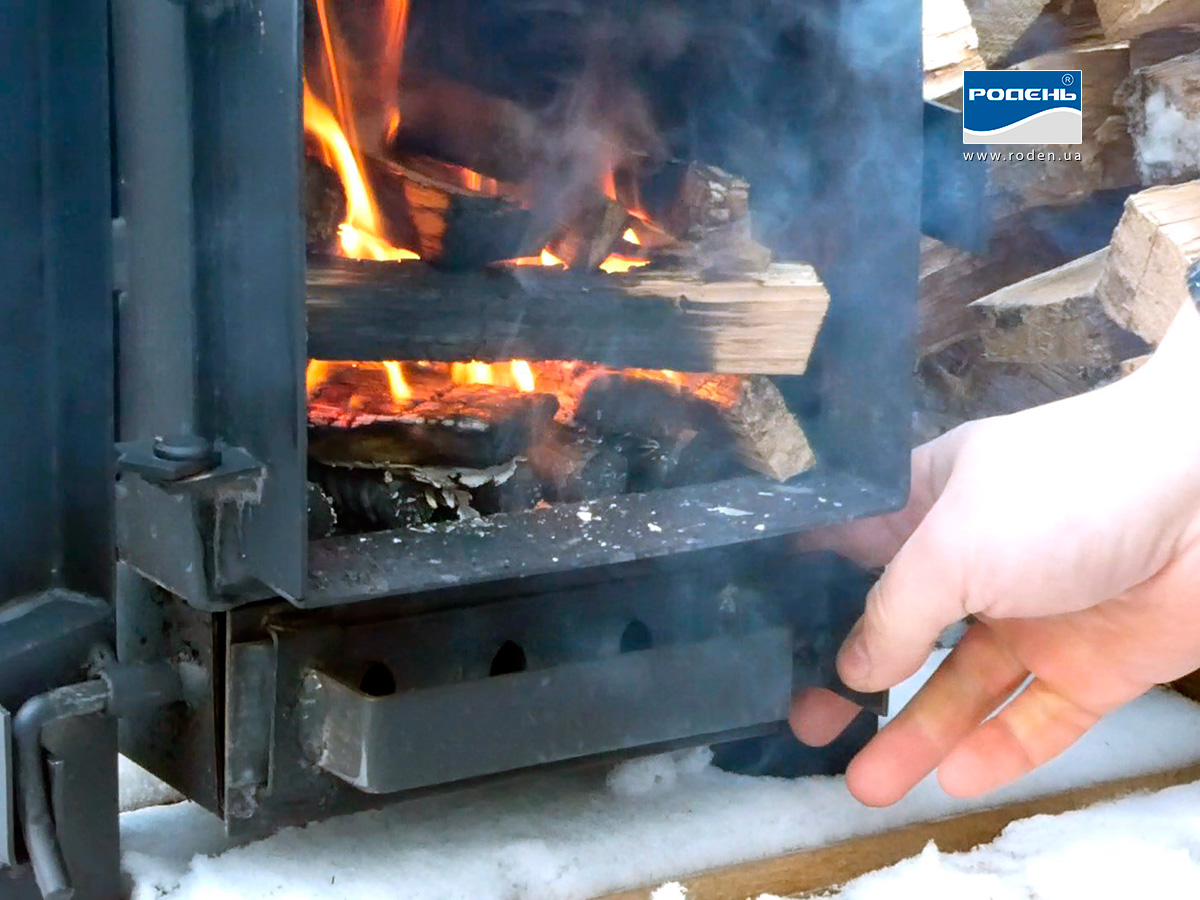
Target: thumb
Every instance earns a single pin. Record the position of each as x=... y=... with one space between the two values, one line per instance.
x=920 y=593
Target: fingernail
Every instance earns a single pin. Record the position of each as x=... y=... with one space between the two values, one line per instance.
x=853 y=664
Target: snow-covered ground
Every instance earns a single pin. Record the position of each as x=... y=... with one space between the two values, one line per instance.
x=562 y=836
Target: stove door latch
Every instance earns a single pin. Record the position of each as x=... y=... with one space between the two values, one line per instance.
x=183 y=463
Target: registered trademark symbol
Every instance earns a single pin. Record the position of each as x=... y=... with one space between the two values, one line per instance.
x=1067 y=79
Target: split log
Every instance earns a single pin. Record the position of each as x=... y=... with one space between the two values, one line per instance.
x=451 y=226
x=1162 y=106
x=324 y=206
x=573 y=467
x=1159 y=46
x=1123 y=19
x=467 y=425
x=951 y=278
x=767 y=436
x=1106 y=154
x=1158 y=237
x=1001 y=23
x=959 y=384
x=708 y=419
x=588 y=236
x=1055 y=318
x=950 y=46
x=705 y=209
x=765 y=324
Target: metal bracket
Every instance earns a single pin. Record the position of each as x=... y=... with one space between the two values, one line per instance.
x=186 y=463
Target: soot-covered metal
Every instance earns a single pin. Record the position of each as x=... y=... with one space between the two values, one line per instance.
x=275 y=680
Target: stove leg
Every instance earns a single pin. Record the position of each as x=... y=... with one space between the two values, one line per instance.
x=82 y=764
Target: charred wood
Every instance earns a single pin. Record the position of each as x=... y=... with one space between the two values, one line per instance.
x=573 y=467
x=322 y=517
x=475 y=426
x=765 y=324
x=367 y=499
x=324 y=206
x=516 y=492
x=451 y=226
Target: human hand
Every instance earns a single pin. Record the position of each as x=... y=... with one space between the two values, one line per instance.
x=1071 y=532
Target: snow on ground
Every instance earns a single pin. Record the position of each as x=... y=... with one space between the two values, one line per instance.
x=1142 y=846
x=567 y=835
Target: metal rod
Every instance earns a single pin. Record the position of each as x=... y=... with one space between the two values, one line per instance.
x=41 y=840
x=122 y=690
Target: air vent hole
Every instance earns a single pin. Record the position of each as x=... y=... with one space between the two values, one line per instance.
x=509 y=660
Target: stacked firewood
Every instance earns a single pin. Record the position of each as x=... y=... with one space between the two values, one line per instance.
x=1086 y=264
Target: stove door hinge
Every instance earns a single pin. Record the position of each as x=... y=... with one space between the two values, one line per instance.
x=187 y=463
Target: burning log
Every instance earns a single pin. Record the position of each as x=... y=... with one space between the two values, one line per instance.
x=451 y=226
x=705 y=209
x=466 y=425
x=765 y=324
x=324 y=206
x=694 y=430
x=572 y=467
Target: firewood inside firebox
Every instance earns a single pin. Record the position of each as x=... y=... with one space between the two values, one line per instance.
x=409 y=444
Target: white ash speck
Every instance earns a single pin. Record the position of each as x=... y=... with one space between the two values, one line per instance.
x=397 y=540
x=603 y=543
x=554 y=559
x=729 y=511
x=822 y=500
x=835 y=503
x=653 y=527
x=765 y=494
x=760 y=527
x=585 y=515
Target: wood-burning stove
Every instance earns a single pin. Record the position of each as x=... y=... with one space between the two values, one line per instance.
x=154 y=247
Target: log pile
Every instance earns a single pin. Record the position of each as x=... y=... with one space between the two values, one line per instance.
x=1085 y=267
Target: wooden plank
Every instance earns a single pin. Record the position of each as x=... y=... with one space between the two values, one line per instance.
x=810 y=871
x=765 y=324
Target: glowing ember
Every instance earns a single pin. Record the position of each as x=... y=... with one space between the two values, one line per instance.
x=630 y=237
x=621 y=264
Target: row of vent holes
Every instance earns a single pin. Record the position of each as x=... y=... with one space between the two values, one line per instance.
x=378 y=680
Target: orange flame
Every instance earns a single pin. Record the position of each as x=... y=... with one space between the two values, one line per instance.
x=397 y=386
x=395 y=30
x=630 y=237
x=619 y=265
x=359 y=236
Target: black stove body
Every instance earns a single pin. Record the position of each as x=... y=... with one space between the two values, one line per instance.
x=153 y=251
